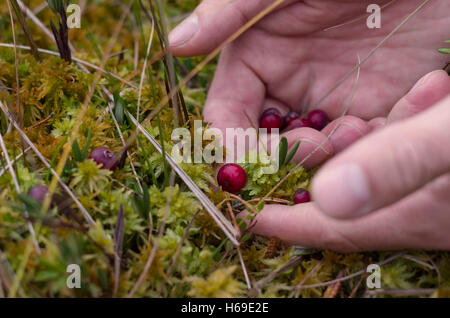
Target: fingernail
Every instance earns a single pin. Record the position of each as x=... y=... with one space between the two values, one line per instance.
x=343 y=191
x=185 y=31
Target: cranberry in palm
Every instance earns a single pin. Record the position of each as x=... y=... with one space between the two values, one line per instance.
x=318 y=119
x=271 y=119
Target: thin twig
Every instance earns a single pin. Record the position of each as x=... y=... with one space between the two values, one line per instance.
x=402 y=292
x=178 y=251
x=294 y=261
x=305 y=279
x=13 y=161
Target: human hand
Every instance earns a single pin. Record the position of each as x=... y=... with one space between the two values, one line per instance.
x=287 y=61
x=390 y=190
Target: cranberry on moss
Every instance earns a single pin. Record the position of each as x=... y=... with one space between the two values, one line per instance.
x=105 y=157
x=232 y=178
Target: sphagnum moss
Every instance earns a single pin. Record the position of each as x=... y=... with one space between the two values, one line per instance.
x=207 y=265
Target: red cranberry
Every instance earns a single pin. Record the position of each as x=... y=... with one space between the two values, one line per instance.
x=232 y=177
x=318 y=119
x=104 y=157
x=38 y=193
x=301 y=196
x=270 y=119
x=298 y=123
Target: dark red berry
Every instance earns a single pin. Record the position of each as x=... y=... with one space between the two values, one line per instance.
x=38 y=193
x=271 y=111
x=298 y=123
x=291 y=116
x=318 y=119
x=232 y=177
x=301 y=196
x=271 y=119
x=104 y=157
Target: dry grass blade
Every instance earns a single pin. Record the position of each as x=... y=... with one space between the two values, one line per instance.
x=294 y=261
x=118 y=243
x=13 y=161
x=305 y=279
x=334 y=289
x=7 y=275
x=9 y=164
x=178 y=251
x=141 y=81
x=17 y=10
x=415 y=292
x=85 y=213
x=244 y=268
x=218 y=217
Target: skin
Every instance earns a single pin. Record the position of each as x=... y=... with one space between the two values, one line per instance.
x=386 y=182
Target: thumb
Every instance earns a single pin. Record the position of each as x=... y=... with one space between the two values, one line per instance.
x=212 y=22
x=386 y=166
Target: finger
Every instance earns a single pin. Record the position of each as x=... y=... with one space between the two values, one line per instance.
x=387 y=165
x=407 y=224
x=428 y=91
x=212 y=22
x=314 y=148
x=377 y=123
x=345 y=131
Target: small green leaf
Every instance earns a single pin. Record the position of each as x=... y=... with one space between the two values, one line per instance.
x=77 y=155
x=145 y=200
x=119 y=111
x=57 y=5
x=241 y=223
x=45 y=276
x=292 y=152
x=103 y=278
x=260 y=206
x=246 y=237
x=86 y=146
x=444 y=50
x=282 y=150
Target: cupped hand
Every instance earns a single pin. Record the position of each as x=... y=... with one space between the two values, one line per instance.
x=291 y=58
x=288 y=61
x=390 y=190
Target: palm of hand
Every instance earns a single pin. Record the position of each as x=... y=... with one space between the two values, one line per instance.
x=287 y=59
